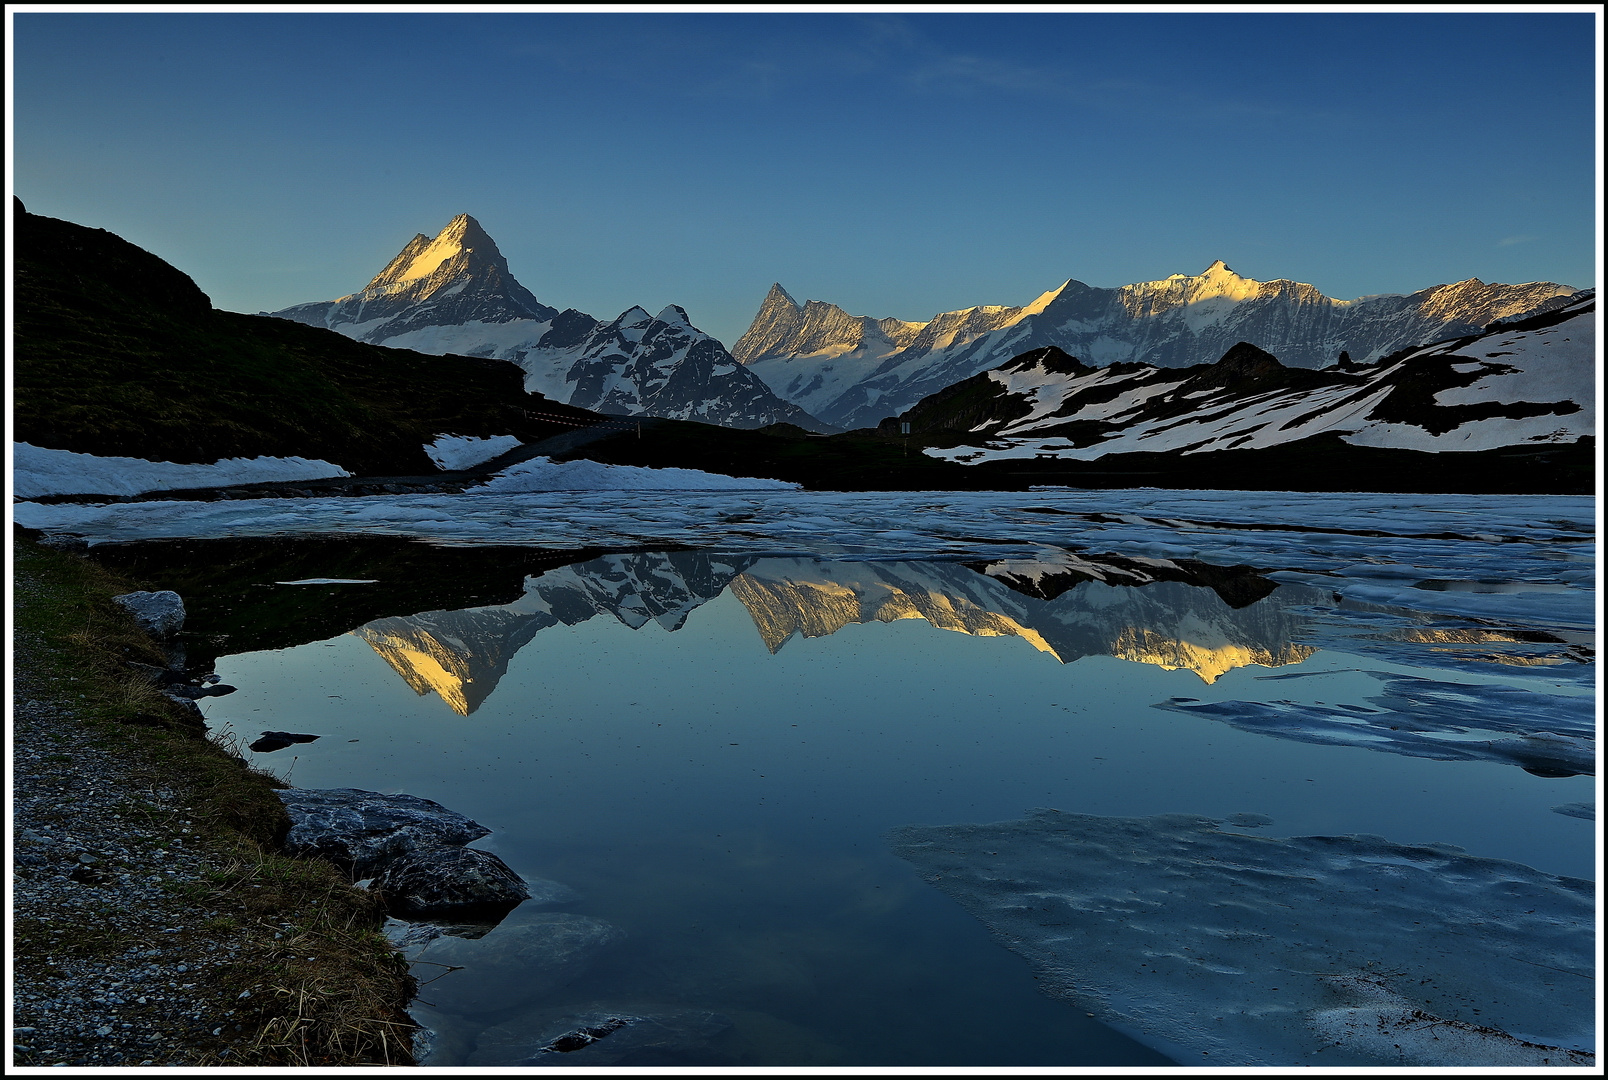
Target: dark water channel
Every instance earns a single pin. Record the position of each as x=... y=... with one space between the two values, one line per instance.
x=704 y=754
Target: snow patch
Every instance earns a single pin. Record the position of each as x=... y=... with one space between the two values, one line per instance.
x=38 y=471
x=453 y=452
x=544 y=474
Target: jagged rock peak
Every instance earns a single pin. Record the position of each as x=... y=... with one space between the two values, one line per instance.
x=463 y=246
x=633 y=316
x=778 y=295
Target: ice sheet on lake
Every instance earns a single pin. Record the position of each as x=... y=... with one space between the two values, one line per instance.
x=1220 y=948
x=38 y=471
x=1499 y=566
x=1549 y=734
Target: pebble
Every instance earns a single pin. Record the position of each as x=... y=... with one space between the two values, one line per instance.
x=82 y=1011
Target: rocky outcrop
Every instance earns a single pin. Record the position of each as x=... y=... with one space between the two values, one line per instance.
x=446 y=878
x=362 y=831
x=160 y=614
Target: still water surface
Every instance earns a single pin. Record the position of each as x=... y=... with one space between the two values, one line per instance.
x=710 y=750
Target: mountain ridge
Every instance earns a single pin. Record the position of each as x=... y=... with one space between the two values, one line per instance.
x=852 y=378
x=454 y=294
x=1527 y=383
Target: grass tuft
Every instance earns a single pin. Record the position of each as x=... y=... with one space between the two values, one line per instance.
x=324 y=988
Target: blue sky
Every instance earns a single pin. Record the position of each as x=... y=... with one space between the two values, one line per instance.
x=896 y=164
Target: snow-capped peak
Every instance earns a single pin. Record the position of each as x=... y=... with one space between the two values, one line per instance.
x=1045 y=299
x=463 y=236
x=675 y=314
x=633 y=316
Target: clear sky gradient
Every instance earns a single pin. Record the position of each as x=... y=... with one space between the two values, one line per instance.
x=894 y=164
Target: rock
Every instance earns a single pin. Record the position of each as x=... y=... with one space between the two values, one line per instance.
x=642 y=1038
x=360 y=831
x=189 y=707
x=446 y=878
x=513 y=964
x=160 y=614
x=278 y=740
x=191 y=690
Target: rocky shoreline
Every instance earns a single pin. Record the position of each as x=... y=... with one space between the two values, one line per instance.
x=157 y=920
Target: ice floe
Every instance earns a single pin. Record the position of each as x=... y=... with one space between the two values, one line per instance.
x=1548 y=734
x=38 y=471
x=1227 y=949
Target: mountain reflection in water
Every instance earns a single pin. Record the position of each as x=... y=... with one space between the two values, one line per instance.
x=1061 y=607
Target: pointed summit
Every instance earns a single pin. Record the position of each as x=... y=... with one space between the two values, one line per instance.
x=779 y=319
x=457 y=277
x=463 y=247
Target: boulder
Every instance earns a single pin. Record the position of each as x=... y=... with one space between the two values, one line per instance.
x=448 y=878
x=361 y=831
x=160 y=614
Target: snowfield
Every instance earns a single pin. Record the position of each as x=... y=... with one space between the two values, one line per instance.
x=544 y=474
x=37 y=471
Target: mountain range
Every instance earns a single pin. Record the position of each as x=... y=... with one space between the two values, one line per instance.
x=119 y=354
x=1529 y=382
x=854 y=371
x=454 y=294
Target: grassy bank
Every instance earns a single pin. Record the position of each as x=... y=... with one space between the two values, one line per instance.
x=309 y=981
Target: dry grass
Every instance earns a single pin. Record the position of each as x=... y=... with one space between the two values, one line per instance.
x=324 y=987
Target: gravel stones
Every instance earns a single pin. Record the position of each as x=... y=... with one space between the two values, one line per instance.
x=160 y=614
x=447 y=878
x=94 y=981
x=362 y=830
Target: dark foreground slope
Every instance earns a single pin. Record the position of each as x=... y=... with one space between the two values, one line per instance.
x=119 y=353
x=866 y=461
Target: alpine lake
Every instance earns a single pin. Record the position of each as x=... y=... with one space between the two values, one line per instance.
x=1042 y=779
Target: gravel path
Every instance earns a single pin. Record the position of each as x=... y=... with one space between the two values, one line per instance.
x=115 y=964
